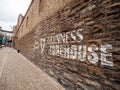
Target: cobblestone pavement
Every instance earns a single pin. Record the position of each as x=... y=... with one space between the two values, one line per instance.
x=17 y=73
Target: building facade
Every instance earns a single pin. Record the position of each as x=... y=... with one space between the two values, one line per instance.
x=74 y=41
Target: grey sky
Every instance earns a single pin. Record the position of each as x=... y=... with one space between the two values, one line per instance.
x=9 y=11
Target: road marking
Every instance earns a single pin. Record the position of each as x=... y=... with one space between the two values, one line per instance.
x=2 y=65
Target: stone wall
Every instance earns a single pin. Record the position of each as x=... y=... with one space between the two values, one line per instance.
x=74 y=41
x=26 y=45
x=79 y=45
x=37 y=12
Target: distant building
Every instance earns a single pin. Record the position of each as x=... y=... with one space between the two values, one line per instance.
x=0 y=28
x=8 y=35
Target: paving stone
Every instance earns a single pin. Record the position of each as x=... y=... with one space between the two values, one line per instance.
x=20 y=74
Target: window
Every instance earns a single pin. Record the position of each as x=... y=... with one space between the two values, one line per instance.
x=40 y=5
x=22 y=29
x=27 y=22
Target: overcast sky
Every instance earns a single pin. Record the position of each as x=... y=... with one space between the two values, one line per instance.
x=9 y=11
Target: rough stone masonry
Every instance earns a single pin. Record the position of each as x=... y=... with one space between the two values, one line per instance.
x=79 y=45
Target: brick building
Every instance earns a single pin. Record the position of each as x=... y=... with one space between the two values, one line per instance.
x=0 y=28
x=75 y=41
x=16 y=29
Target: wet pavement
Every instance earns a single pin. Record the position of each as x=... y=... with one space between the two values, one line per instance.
x=18 y=73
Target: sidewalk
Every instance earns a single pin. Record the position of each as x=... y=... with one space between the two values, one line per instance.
x=17 y=73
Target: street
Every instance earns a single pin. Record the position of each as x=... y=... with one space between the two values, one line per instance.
x=17 y=73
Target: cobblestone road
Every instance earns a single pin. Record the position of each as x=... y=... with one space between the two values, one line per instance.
x=17 y=73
